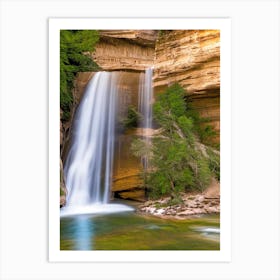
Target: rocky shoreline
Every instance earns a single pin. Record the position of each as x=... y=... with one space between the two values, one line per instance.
x=191 y=204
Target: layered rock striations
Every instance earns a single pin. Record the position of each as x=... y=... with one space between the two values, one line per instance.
x=139 y=37
x=191 y=58
x=132 y=50
x=129 y=50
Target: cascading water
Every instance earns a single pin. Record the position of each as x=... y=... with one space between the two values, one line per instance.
x=145 y=99
x=93 y=138
x=88 y=167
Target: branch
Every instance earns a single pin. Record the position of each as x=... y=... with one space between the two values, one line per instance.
x=178 y=130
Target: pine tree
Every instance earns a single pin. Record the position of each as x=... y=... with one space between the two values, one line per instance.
x=178 y=161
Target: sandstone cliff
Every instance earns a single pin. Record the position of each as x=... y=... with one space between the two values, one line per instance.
x=125 y=49
x=189 y=57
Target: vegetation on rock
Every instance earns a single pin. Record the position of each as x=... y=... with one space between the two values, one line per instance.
x=74 y=45
x=132 y=118
x=178 y=161
x=203 y=131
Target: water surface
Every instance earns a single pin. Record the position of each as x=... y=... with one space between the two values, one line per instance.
x=131 y=231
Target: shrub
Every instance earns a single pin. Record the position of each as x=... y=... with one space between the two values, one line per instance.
x=74 y=45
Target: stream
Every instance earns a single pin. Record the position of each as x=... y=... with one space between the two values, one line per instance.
x=133 y=231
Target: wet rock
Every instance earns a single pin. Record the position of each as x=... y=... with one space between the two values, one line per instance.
x=133 y=194
x=194 y=204
x=212 y=209
x=172 y=212
x=186 y=213
x=159 y=212
x=200 y=198
x=150 y=209
x=199 y=211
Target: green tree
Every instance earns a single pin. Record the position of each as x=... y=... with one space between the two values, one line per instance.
x=74 y=58
x=178 y=161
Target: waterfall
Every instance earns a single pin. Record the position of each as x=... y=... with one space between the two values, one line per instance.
x=88 y=167
x=92 y=149
x=145 y=99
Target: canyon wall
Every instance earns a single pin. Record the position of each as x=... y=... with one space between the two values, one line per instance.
x=192 y=59
x=132 y=50
x=189 y=57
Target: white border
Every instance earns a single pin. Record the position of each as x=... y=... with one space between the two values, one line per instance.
x=55 y=255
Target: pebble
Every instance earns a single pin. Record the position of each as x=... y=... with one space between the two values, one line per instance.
x=197 y=204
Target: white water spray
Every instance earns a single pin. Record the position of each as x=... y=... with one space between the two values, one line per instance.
x=88 y=167
x=145 y=99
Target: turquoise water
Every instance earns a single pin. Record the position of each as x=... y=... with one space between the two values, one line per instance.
x=131 y=231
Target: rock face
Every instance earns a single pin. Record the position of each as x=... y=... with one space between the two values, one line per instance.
x=126 y=181
x=125 y=49
x=207 y=202
x=140 y=37
x=126 y=176
x=63 y=190
x=191 y=58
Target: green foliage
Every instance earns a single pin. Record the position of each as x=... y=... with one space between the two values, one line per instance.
x=177 y=160
x=204 y=131
x=170 y=105
x=214 y=162
x=73 y=59
x=175 y=201
x=141 y=148
x=132 y=118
